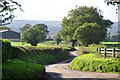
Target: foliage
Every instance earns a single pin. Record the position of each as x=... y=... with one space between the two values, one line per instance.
x=6 y=49
x=6 y=11
x=89 y=33
x=4 y=28
x=25 y=27
x=89 y=62
x=33 y=36
x=12 y=69
x=80 y=15
x=90 y=49
x=112 y=2
x=42 y=27
x=57 y=38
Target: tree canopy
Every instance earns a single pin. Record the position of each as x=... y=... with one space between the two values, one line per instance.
x=79 y=16
x=89 y=33
x=34 y=34
x=7 y=9
x=25 y=27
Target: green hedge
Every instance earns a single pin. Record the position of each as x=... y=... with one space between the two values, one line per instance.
x=15 y=69
x=6 y=49
x=41 y=55
x=89 y=62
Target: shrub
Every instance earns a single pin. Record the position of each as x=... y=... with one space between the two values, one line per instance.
x=89 y=62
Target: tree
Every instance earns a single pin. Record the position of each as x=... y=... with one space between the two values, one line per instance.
x=4 y=28
x=6 y=11
x=80 y=15
x=33 y=36
x=113 y=2
x=89 y=33
x=25 y=27
x=42 y=27
x=57 y=38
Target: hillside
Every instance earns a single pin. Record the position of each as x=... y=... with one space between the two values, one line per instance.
x=53 y=26
x=114 y=28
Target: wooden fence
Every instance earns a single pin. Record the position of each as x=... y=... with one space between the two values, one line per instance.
x=109 y=52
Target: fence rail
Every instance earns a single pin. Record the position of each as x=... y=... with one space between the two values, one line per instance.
x=109 y=52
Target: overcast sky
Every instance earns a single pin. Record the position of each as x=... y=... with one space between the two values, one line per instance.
x=56 y=10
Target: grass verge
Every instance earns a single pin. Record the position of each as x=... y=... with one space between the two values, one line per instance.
x=19 y=69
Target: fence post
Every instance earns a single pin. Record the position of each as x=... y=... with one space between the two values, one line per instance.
x=113 y=53
x=105 y=52
x=97 y=50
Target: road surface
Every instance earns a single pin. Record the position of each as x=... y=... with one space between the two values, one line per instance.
x=61 y=70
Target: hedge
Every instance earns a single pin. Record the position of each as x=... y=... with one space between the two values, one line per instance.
x=6 y=49
x=89 y=62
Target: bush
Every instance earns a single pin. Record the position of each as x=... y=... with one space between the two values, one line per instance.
x=89 y=62
x=6 y=49
x=15 y=69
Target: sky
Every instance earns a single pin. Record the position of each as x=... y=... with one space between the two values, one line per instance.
x=56 y=10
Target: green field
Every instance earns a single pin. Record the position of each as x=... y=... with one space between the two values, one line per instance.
x=27 y=44
x=110 y=42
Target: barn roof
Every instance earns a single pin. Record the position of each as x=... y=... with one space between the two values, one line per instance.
x=6 y=31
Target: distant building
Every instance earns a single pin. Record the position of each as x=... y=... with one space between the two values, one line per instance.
x=10 y=35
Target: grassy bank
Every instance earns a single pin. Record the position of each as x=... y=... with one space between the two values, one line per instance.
x=23 y=60
x=15 y=69
x=89 y=62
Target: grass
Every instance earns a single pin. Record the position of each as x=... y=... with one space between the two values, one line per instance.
x=27 y=44
x=110 y=42
x=19 y=69
x=90 y=49
x=29 y=57
x=46 y=58
x=89 y=62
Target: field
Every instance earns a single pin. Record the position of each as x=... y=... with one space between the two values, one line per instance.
x=110 y=42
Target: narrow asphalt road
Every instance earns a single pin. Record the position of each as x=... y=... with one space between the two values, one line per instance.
x=61 y=70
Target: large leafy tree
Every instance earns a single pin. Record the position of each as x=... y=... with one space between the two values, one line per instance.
x=80 y=15
x=7 y=8
x=33 y=36
x=89 y=33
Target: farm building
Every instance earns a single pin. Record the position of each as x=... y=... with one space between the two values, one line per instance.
x=10 y=35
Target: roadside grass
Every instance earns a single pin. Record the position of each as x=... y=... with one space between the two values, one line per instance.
x=90 y=49
x=25 y=60
x=89 y=62
x=15 y=69
x=46 y=58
